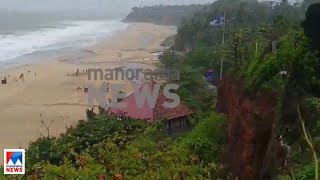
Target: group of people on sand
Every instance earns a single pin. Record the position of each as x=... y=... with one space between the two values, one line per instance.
x=84 y=71
x=19 y=78
x=85 y=89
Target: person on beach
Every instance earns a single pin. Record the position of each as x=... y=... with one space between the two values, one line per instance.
x=22 y=77
x=4 y=81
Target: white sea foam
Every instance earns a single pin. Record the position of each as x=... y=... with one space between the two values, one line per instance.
x=66 y=34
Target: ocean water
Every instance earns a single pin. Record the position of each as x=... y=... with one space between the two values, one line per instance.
x=27 y=42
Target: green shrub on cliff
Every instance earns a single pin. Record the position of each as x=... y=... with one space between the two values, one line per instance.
x=80 y=138
x=208 y=138
x=106 y=146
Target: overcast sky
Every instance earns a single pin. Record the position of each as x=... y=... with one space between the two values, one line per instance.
x=45 y=5
x=114 y=7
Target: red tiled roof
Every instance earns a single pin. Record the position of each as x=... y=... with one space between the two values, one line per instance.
x=152 y=114
x=161 y=112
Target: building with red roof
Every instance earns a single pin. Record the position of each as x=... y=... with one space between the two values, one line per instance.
x=176 y=117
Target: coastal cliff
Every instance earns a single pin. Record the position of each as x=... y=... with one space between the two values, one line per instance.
x=250 y=127
x=163 y=14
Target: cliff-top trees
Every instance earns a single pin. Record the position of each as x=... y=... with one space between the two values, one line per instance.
x=311 y=25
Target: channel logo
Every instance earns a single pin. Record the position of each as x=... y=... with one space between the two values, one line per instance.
x=14 y=161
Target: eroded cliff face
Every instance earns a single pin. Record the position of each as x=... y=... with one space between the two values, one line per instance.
x=250 y=128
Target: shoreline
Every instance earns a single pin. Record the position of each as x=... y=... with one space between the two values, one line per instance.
x=49 y=92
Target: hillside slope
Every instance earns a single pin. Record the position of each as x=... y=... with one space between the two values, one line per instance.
x=162 y=15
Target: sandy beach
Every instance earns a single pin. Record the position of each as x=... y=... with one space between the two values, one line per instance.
x=51 y=92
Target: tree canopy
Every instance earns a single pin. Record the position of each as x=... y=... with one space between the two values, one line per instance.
x=311 y=25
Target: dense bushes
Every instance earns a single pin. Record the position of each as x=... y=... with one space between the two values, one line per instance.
x=290 y=68
x=193 y=88
x=108 y=147
x=312 y=25
x=77 y=139
x=208 y=138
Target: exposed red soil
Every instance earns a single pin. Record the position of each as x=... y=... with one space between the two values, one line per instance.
x=250 y=122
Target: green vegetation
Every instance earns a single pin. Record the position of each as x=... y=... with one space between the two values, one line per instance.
x=168 y=42
x=292 y=69
x=162 y=14
x=192 y=85
x=105 y=146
